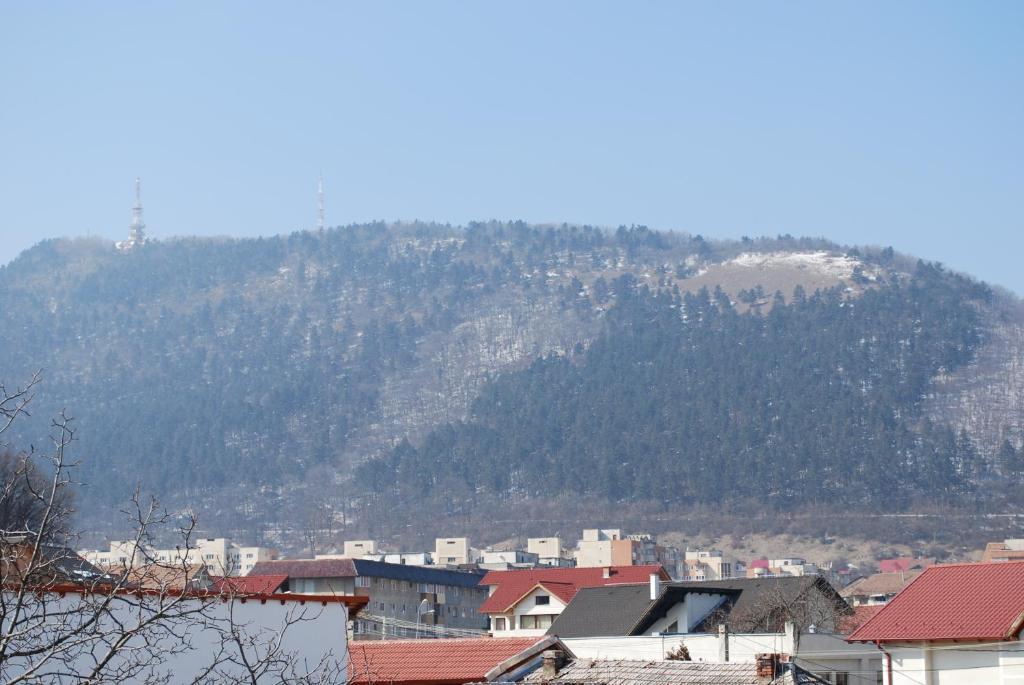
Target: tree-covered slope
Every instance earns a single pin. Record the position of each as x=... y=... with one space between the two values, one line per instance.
x=684 y=400
x=201 y=369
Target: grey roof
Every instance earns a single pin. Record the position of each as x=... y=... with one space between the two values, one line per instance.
x=746 y=612
x=636 y=672
x=349 y=568
x=628 y=610
x=621 y=609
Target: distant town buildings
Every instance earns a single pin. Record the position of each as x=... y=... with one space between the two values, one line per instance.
x=1007 y=550
x=220 y=555
x=609 y=547
x=549 y=551
x=772 y=568
x=699 y=564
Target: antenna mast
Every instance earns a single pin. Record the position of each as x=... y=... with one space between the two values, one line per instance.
x=320 y=203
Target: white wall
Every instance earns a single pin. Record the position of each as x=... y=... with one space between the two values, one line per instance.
x=819 y=653
x=306 y=633
x=958 y=664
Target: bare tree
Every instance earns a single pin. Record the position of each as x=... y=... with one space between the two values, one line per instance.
x=63 y=620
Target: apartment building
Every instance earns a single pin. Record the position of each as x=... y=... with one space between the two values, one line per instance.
x=769 y=568
x=609 y=547
x=701 y=564
x=549 y=552
x=404 y=600
x=454 y=552
x=220 y=555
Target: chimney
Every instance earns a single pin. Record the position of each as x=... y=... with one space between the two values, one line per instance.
x=553 y=660
x=768 y=665
x=655 y=586
x=606 y=572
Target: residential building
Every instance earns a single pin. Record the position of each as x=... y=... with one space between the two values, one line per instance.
x=355 y=549
x=549 y=551
x=525 y=603
x=1007 y=550
x=408 y=558
x=791 y=566
x=878 y=588
x=404 y=601
x=609 y=547
x=700 y=564
x=446 y=662
x=503 y=560
x=801 y=617
x=742 y=605
x=953 y=624
x=453 y=552
x=220 y=555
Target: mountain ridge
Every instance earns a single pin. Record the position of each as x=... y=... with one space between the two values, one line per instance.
x=282 y=357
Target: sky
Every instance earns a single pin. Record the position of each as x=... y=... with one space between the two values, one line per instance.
x=877 y=123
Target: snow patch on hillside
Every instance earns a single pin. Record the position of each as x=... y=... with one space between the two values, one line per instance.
x=835 y=265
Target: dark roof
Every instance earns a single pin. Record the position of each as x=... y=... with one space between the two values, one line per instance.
x=623 y=609
x=747 y=612
x=628 y=610
x=349 y=568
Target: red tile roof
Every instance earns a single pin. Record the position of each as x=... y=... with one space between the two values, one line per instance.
x=903 y=564
x=249 y=585
x=455 y=661
x=512 y=586
x=955 y=602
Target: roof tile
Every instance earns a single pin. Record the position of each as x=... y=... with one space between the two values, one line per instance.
x=463 y=660
x=955 y=602
x=513 y=585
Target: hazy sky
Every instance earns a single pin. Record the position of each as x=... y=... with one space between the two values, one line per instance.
x=887 y=123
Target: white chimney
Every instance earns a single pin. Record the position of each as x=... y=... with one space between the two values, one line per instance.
x=655 y=586
x=606 y=572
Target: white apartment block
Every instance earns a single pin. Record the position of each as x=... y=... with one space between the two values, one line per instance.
x=549 y=551
x=791 y=566
x=356 y=549
x=701 y=564
x=453 y=552
x=220 y=555
x=595 y=548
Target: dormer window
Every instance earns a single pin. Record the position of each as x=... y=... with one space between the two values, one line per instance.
x=542 y=600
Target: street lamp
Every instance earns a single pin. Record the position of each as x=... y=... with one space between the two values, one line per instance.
x=422 y=610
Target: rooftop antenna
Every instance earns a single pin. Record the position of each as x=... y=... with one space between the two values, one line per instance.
x=320 y=203
x=137 y=233
x=137 y=230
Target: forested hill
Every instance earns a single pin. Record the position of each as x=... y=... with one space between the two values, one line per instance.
x=615 y=363
x=684 y=400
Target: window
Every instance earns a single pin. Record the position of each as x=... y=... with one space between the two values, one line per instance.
x=535 y=622
x=841 y=678
x=542 y=600
x=362 y=581
x=499 y=623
